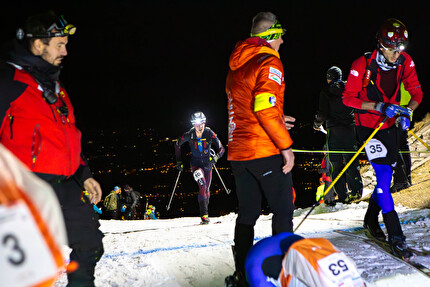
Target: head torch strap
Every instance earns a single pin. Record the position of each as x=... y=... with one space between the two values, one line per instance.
x=63 y=28
x=268 y=32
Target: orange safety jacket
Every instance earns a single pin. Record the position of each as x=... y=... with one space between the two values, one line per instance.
x=255 y=91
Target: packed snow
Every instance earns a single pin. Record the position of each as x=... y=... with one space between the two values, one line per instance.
x=181 y=252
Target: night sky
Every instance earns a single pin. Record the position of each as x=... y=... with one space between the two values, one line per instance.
x=153 y=63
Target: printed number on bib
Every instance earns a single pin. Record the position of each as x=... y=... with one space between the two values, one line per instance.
x=22 y=249
x=375 y=149
x=198 y=174
x=337 y=268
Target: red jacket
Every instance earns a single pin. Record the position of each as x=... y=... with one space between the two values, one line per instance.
x=355 y=93
x=255 y=90
x=37 y=133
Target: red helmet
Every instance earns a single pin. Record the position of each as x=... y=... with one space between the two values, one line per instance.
x=393 y=34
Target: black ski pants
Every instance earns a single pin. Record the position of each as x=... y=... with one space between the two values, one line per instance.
x=344 y=138
x=402 y=171
x=255 y=179
x=264 y=177
x=85 y=239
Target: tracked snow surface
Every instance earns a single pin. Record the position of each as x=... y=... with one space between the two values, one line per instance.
x=180 y=252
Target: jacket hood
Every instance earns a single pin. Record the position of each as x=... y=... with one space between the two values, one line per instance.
x=247 y=49
x=43 y=71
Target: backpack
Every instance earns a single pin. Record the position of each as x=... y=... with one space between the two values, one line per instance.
x=110 y=202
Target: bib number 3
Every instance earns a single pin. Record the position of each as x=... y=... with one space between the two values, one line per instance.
x=15 y=256
x=23 y=249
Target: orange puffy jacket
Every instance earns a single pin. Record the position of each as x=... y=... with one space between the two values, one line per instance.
x=255 y=90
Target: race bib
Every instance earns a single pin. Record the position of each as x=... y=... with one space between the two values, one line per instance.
x=375 y=149
x=338 y=270
x=22 y=249
x=198 y=175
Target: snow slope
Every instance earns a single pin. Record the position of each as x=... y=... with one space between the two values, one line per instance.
x=180 y=252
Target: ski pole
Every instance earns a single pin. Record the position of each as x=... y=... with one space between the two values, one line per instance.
x=212 y=152
x=226 y=189
x=174 y=188
x=420 y=140
x=344 y=169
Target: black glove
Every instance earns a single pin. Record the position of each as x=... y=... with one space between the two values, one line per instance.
x=179 y=166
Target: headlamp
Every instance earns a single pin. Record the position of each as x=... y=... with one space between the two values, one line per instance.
x=62 y=28
x=400 y=48
x=58 y=29
x=198 y=122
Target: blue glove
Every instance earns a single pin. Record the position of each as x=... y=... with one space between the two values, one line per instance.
x=403 y=121
x=390 y=110
x=96 y=209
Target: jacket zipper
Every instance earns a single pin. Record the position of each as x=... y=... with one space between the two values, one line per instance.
x=37 y=144
x=10 y=125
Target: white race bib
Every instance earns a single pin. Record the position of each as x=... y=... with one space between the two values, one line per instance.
x=198 y=174
x=23 y=251
x=375 y=149
x=337 y=269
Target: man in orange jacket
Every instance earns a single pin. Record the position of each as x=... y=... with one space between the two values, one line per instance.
x=259 y=144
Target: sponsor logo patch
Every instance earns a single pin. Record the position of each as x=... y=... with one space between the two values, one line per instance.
x=275 y=71
x=354 y=73
x=272 y=101
x=275 y=78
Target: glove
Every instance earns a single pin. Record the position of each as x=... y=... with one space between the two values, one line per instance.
x=403 y=121
x=317 y=125
x=179 y=166
x=390 y=110
x=213 y=159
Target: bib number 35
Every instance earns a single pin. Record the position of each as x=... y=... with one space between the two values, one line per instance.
x=375 y=149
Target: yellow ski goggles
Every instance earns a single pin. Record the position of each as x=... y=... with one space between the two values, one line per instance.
x=274 y=32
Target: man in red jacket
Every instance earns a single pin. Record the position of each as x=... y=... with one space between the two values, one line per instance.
x=373 y=88
x=259 y=144
x=38 y=126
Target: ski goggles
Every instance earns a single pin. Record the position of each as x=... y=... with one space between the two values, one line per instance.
x=400 y=48
x=62 y=27
x=274 y=32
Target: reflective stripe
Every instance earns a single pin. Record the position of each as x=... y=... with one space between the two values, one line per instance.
x=405 y=96
x=264 y=101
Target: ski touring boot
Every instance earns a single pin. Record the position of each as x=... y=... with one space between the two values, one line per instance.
x=205 y=219
x=375 y=231
x=400 y=248
x=371 y=222
x=235 y=280
x=396 y=239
